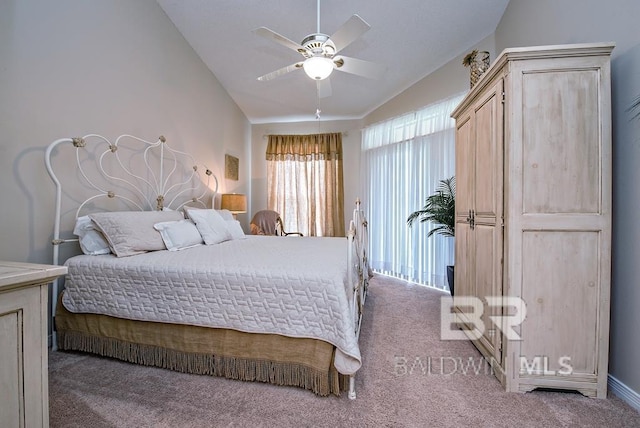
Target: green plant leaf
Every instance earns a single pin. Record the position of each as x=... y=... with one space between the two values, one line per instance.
x=439 y=208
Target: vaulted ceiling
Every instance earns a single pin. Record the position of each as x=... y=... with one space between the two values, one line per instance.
x=409 y=38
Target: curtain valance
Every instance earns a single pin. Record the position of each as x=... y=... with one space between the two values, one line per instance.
x=318 y=146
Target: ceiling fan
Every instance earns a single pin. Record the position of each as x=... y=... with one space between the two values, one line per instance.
x=321 y=53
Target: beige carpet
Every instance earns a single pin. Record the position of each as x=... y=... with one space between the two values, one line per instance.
x=401 y=324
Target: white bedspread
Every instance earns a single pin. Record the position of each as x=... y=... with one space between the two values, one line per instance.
x=290 y=286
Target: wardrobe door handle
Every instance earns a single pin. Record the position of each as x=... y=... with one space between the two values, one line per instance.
x=471 y=219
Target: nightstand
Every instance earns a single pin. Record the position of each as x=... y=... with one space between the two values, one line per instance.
x=23 y=333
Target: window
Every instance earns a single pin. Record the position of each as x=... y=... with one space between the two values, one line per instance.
x=305 y=182
x=403 y=160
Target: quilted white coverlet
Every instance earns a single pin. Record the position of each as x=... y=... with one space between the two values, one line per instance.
x=295 y=287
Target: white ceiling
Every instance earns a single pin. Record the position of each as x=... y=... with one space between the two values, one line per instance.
x=412 y=38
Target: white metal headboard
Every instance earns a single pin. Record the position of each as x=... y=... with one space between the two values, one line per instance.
x=142 y=175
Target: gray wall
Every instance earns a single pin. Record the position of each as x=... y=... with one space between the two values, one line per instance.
x=69 y=68
x=543 y=22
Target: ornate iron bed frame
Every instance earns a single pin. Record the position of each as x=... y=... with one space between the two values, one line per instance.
x=157 y=189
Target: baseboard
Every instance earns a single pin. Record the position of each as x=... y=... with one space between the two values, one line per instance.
x=625 y=393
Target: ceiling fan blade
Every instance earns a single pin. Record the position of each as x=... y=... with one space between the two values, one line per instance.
x=278 y=38
x=359 y=67
x=349 y=32
x=280 y=72
x=324 y=88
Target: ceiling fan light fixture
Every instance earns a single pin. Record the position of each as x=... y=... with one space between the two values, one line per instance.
x=318 y=67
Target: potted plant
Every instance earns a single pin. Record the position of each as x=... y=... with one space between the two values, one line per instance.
x=440 y=209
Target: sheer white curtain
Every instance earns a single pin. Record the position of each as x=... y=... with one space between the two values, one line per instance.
x=403 y=160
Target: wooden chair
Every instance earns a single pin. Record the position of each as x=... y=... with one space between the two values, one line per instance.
x=269 y=222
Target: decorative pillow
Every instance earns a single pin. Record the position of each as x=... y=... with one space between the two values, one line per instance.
x=210 y=224
x=234 y=228
x=225 y=214
x=178 y=235
x=132 y=232
x=92 y=241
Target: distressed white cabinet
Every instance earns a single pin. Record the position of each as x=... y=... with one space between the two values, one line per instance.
x=23 y=334
x=533 y=216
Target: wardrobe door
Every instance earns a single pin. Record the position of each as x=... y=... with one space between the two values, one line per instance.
x=464 y=202
x=488 y=210
x=565 y=232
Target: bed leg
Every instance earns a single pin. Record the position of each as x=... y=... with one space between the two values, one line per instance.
x=352 y=387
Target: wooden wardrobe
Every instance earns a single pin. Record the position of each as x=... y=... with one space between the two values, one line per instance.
x=533 y=216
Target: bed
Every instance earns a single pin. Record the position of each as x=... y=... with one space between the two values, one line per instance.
x=283 y=310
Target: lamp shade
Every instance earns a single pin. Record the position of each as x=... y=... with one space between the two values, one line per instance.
x=318 y=67
x=234 y=202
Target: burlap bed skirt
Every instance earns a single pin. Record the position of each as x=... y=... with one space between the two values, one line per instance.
x=271 y=358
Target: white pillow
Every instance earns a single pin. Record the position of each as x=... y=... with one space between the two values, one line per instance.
x=210 y=224
x=92 y=241
x=235 y=229
x=178 y=235
x=132 y=232
x=225 y=214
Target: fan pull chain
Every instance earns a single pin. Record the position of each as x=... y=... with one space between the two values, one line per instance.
x=318 y=111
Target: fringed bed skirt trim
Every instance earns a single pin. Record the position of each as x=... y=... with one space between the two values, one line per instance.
x=274 y=372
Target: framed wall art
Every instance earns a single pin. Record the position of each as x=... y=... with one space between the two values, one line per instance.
x=231 y=165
